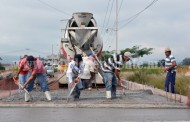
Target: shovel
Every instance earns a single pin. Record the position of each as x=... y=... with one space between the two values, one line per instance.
x=71 y=91
x=18 y=83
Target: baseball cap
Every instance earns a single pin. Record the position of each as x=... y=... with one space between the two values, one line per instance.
x=128 y=54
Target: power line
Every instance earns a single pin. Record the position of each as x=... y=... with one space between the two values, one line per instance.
x=103 y=26
x=112 y=28
x=11 y=52
x=132 y=18
x=47 y=4
x=105 y=15
x=120 y=6
x=39 y=51
x=109 y=17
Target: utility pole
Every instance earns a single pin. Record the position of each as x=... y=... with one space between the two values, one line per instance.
x=116 y=27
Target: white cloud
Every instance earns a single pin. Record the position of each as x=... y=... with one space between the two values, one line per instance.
x=31 y=24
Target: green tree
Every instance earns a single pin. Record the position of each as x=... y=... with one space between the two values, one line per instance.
x=106 y=55
x=1 y=67
x=137 y=51
x=161 y=63
x=186 y=61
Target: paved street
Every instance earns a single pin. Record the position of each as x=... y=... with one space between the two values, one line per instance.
x=135 y=106
x=92 y=115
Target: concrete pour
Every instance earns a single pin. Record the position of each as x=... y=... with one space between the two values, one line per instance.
x=94 y=98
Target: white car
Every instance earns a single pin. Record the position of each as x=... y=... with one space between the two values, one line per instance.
x=49 y=71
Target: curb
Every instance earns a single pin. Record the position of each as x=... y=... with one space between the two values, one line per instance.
x=136 y=86
x=75 y=105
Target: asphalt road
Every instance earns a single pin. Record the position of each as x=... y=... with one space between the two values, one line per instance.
x=92 y=115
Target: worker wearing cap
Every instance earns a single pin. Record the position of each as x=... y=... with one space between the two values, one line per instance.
x=111 y=69
x=170 y=68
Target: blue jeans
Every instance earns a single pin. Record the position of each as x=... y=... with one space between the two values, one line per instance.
x=42 y=80
x=22 y=79
x=170 y=82
x=110 y=81
x=76 y=91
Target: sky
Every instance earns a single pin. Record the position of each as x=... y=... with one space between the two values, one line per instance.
x=34 y=26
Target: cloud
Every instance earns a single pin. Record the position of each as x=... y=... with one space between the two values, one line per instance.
x=32 y=24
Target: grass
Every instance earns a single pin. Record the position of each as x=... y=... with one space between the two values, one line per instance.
x=156 y=78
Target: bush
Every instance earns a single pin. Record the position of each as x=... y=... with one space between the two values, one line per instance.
x=1 y=67
x=56 y=70
x=156 y=78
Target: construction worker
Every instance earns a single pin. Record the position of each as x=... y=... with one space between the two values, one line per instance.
x=111 y=69
x=75 y=68
x=170 y=68
x=88 y=74
x=22 y=73
x=36 y=70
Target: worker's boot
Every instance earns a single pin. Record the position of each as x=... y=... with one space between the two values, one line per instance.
x=27 y=97
x=48 y=96
x=108 y=94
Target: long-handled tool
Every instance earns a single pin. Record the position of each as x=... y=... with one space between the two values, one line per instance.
x=55 y=81
x=84 y=54
x=71 y=91
x=18 y=83
x=97 y=61
x=123 y=84
x=124 y=87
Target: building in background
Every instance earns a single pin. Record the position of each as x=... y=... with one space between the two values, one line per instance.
x=51 y=60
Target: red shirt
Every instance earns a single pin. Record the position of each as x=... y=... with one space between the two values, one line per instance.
x=38 y=67
x=21 y=63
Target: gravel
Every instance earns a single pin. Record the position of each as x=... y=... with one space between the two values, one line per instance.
x=94 y=97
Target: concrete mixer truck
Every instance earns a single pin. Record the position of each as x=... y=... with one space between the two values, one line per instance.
x=80 y=37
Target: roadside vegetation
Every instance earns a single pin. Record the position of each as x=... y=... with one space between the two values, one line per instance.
x=156 y=77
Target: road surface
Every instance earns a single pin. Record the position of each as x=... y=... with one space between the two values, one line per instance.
x=92 y=115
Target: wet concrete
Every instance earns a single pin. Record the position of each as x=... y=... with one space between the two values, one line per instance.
x=93 y=99
x=93 y=115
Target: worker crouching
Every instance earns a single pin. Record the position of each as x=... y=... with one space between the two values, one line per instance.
x=111 y=69
x=36 y=70
x=75 y=69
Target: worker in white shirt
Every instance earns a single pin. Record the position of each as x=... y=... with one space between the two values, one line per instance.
x=74 y=71
x=88 y=74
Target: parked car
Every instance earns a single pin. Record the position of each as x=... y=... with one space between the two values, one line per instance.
x=49 y=71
